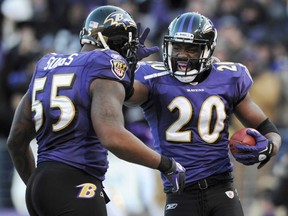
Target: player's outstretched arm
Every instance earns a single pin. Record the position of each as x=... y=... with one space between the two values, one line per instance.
x=108 y=121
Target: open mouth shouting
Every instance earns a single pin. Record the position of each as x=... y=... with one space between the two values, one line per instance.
x=183 y=66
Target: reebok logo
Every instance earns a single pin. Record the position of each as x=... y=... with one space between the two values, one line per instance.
x=171 y=206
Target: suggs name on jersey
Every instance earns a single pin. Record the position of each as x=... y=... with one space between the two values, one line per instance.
x=55 y=62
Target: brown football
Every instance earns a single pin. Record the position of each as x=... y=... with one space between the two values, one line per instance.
x=241 y=137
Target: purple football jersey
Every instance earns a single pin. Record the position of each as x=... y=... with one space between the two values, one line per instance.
x=61 y=102
x=190 y=122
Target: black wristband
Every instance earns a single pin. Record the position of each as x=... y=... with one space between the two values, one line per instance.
x=165 y=164
x=266 y=127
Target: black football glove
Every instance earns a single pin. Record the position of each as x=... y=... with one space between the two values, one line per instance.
x=176 y=176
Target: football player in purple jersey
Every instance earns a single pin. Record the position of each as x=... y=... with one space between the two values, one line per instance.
x=74 y=109
x=188 y=100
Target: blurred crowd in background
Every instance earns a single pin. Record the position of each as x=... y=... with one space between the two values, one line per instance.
x=252 y=32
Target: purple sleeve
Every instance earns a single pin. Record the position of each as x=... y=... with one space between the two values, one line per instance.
x=245 y=82
x=146 y=71
x=110 y=66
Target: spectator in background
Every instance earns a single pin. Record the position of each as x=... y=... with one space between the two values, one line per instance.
x=280 y=170
x=254 y=20
x=15 y=75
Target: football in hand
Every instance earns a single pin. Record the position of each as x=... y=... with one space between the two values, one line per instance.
x=241 y=137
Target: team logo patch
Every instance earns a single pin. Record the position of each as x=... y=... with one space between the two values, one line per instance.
x=230 y=194
x=119 y=68
x=87 y=190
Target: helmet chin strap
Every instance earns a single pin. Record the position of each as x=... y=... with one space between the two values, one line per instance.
x=184 y=79
x=129 y=36
x=191 y=75
x=129 y=41
x=100 y=36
